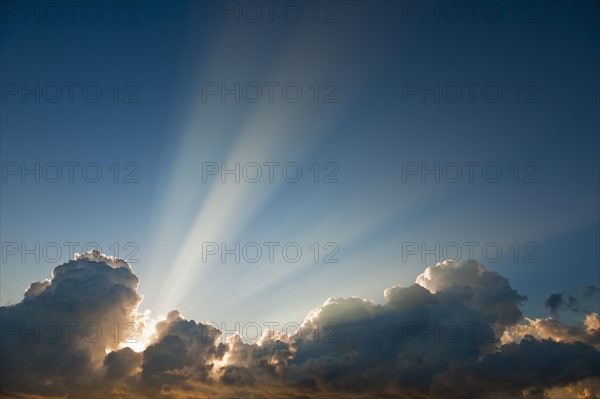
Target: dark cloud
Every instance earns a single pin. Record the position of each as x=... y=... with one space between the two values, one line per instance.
x=571 y=301
x=562 y=301
x=521 y=370
x=122 y=363
x=449 y=334
x=589 y=291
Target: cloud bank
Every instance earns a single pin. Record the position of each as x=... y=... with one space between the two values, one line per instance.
x=457 y=332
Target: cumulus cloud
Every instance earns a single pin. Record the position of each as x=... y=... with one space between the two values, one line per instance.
x=458 y=331
x=58 y=335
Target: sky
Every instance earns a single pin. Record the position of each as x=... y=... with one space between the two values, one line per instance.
x=257 y=162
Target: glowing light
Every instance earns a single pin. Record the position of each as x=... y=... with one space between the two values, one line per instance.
x=143 y=334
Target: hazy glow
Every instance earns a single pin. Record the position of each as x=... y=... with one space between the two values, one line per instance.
x=143 y=335
x=268 y=132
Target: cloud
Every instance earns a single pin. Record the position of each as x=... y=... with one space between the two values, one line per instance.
x=57 y=336
x=122 y=363
x=551 y=328
x=568 y=301
x=527 y=368
x=457 y=331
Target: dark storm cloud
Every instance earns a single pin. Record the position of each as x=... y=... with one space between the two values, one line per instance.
x=450 y=333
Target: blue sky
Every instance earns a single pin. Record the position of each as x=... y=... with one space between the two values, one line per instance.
x=544 y=124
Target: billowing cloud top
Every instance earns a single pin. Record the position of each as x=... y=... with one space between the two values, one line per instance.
x=458 y=332
x=59 y=333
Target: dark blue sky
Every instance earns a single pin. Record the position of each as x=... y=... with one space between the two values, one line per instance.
x=393 y=94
